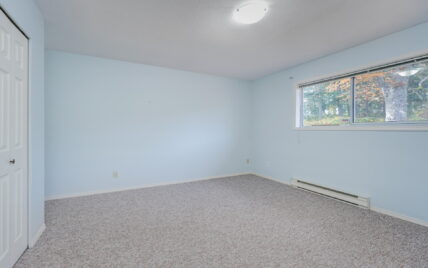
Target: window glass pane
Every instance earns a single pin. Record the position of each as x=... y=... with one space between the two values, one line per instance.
x=327 y=104
x=393 y=95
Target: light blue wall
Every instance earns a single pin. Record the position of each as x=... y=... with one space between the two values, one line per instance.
x=26 y=14
x=388 y=167
x=151 y=124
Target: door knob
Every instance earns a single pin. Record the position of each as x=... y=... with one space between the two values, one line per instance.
x=12 y=162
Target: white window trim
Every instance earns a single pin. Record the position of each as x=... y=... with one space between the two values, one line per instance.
x=404 y=128
x=391 y=126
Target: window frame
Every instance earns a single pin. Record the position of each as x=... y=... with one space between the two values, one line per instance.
x=353 y=125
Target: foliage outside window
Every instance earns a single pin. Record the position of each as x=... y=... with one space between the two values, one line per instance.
x=397 y=94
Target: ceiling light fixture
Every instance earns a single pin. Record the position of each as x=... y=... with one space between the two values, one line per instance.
x=250 y=12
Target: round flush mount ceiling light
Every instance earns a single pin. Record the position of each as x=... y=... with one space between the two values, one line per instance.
x=250 y=12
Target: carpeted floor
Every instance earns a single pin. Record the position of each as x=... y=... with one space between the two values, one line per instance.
x=244 y=221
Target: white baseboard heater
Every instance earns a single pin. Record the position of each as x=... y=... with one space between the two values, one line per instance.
x=336 y=194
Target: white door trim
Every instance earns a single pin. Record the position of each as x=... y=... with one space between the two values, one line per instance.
x=33 y=240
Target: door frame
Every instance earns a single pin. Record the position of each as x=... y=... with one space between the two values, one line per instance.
x=28 y=178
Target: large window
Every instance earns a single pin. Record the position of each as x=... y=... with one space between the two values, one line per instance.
x=394 y=94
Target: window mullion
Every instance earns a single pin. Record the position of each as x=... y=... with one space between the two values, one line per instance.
x=353 y=110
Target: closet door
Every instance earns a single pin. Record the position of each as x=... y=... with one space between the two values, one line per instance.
x=13 y=142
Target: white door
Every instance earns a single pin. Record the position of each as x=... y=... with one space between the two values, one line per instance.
x=13 y=142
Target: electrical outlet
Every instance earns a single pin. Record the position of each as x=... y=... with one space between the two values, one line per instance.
x=115 y=174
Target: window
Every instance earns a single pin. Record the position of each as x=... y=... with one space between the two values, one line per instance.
x=394 y=94
x=327 y=103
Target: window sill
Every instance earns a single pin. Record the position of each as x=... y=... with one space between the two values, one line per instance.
x=397 y=128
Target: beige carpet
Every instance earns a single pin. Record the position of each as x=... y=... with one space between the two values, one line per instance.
x=243 y=221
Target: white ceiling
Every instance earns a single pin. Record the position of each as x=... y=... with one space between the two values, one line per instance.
x=200 y=35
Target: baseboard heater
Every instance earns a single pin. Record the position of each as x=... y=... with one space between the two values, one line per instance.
x=336 y=194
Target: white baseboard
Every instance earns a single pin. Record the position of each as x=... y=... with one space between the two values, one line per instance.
x=55 y=197
x=400 y=216
x=375 y=209
x=270 y=178
x=33 y=240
